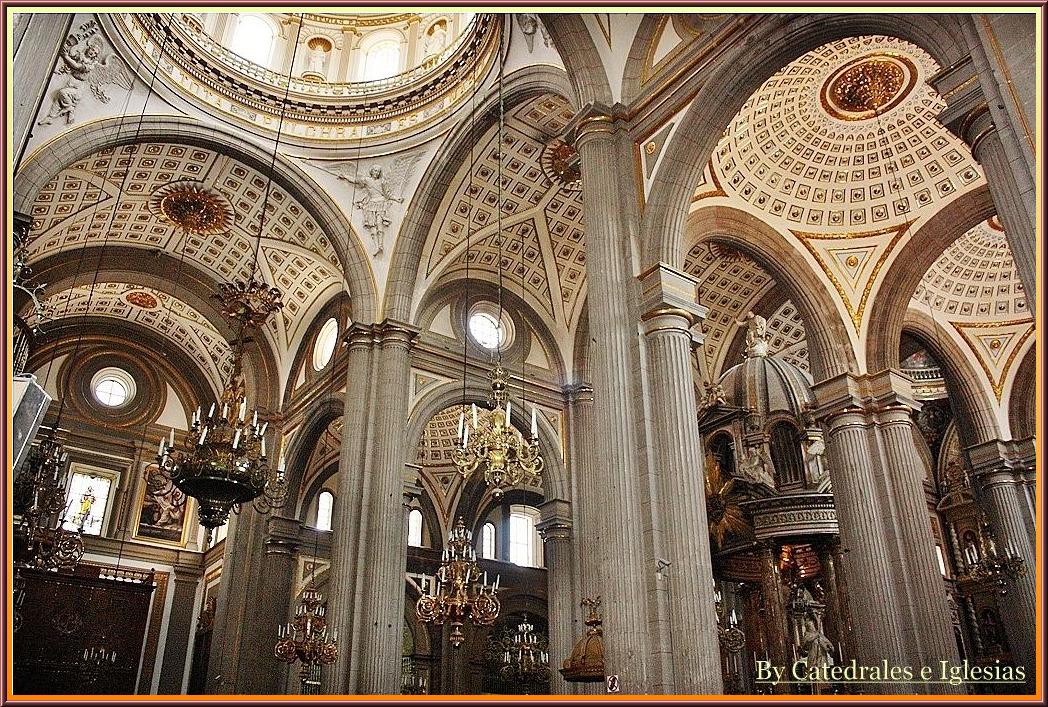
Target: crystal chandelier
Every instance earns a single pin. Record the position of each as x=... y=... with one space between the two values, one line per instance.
x=494 y=444
x=305 y=639
x=525 y=659
x=461 y=593
x=985 y=564
x=223 y=463
x=42 y=496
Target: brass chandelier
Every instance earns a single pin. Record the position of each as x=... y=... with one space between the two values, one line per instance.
x=508 y=459
x=306 y=639
x=223 y=462
x=42 y=495
x=462 y=593
x=525 y=658
x=986 y=564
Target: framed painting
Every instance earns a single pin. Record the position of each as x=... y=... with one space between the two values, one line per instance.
x=163 y=516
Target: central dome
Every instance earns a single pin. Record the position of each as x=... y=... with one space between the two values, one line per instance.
x=768 y=386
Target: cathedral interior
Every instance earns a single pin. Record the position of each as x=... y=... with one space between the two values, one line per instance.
x=312 y=395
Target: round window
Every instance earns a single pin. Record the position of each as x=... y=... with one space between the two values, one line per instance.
x=113 y=387
x=325 y=346
x=486 y=330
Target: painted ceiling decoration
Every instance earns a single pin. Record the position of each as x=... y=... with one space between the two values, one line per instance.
x=167 y=179
x=542 y=206
x=157 y=311
x=327 y=103
x=974 y=288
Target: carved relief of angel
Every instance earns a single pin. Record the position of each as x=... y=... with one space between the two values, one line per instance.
x=377 y=193
x=84 y=63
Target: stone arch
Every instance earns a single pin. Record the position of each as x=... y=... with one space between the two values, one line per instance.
x=557 y=484
x=891 y=300
x=1022 y=397
x=574 y=44
x=783 y=261
x=69 y=147
x=119 y=263
x=317 y=418
x=771 y=44
x=977 y=420
x=405 y=261
x=337 y=307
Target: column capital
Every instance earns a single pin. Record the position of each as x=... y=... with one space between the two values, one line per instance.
x=595 y=120
x=282 y=535
x=579 y=393
x=888 y=393
x=390 y=332
x=967 y=113
x=556 y=521
x=668 y=300
x=996 y=462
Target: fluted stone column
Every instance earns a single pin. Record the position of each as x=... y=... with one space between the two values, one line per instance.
x=670 y=311
x=898 y=601
x=602 y=142
x=585 y=507
x=906 y=473
x=1002 y=497
x=179 y=630
x=385 y=549
x=555 y=530
x=343 y=589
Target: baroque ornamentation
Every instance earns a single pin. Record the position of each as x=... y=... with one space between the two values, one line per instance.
x=723 y=505
x=380 y=190
x=868 y=86
x=193 y=207
x=560 y=162
x=83 y=59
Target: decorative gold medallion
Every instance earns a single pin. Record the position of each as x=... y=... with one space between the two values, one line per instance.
x=868 y=86
x=193 y=207
x=560 y=162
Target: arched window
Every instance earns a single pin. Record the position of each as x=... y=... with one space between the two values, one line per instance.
x=487 y=541
x=325 y=504
x=786 y=455
x=253 y=39
x=723 y=451
x=415 y=528
x=525 y=545
x=381 y=60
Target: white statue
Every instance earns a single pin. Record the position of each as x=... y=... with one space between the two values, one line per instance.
x=377 y=193
x=755 y=467
x=317 y=59
x=436 y=40
x=817 y=649
x=85 y=63
x=756 y=334
x=530 y=25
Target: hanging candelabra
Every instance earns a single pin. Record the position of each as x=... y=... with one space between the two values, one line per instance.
x=412 y=682
x=306 y=639
x=525 y=659
x=986 y=564
x=461 y=592
x=492 y=443
x=223 y=463
x=95 y=662
x=42 y=496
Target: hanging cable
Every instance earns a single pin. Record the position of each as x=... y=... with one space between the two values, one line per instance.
x=498 y=198
x=469 y=231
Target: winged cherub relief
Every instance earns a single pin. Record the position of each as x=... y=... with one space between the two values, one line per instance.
x=377 y=191
x=84 y=60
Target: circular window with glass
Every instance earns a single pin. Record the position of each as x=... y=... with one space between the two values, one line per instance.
x=113 y=387
x=324 y=348
x=487 y=329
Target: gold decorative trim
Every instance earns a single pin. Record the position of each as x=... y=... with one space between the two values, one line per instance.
x=855 y=312
x=896 y=61
x=998 y=384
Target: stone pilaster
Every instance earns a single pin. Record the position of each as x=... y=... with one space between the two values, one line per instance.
x=179 y=630
x=35 y=54
x=898 y=601
x=343 y=589
x=1001 y=494
x=619 y=541
x=670 y=312
x=555 y=529
x=385 y=549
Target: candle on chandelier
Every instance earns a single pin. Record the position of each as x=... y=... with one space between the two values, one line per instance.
x=462 y=423
x=243 y=409
x=263 y=446
x=203 y=435
x=465 y=437
x=160 y=451
x=172 y=442
x=236 y=439
x=474 y=406
x=509 y=411
x=211 y=411
x=534 y=422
